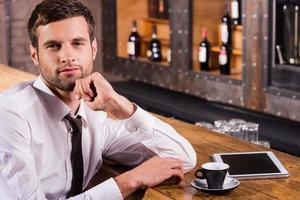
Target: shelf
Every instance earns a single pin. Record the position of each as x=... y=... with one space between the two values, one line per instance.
x=146 y=60
x=238 y=28
x=233 y=75
x=236 y=52
x=164 y=42
x=157 y=21
x=292 y=68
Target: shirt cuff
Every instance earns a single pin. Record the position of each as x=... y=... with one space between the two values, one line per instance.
x=106 y=190
x=140 y=119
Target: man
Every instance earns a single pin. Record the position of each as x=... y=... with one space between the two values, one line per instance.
x=55 y=131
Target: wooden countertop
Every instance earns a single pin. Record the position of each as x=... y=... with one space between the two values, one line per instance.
x=205 y=143
x=10 y=76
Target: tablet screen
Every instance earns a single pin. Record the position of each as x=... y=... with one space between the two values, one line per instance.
x=250 y=164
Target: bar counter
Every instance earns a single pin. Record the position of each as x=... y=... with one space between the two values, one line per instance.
x=205 y=143
x=10 y=76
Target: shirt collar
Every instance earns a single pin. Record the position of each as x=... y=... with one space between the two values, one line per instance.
x=82 y=113
x=53 y=105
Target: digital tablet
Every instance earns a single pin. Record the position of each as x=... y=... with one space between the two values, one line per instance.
x=252 y=165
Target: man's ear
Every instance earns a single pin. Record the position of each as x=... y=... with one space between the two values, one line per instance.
x=94 y=48
x=34 y=55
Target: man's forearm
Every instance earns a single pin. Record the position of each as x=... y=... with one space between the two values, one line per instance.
x=149 y=174
x=120 y=107
x=127 y=183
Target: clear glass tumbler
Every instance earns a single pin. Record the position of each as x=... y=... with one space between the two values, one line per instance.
x=250 y=131
x=236 y=131
x=205 y=125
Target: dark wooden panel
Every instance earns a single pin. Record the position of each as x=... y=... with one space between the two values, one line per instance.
x=254 y=58
x=5 y=31
x=180 y=22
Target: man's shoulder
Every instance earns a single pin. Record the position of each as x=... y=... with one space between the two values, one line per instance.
x=18 y=96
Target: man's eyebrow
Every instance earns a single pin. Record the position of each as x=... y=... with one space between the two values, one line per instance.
x=80 y=39
x=48 y=42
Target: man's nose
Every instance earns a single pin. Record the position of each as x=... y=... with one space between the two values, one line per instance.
x=67 y=55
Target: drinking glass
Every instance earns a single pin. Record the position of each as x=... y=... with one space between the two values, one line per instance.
x=236 y=131
x=205 y=125
x=236 y=121
x=250 y=131
x=219 y=123
x=263 y=143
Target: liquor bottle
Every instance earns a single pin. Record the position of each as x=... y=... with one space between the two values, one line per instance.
x=134 y=43
x=161 y=6
x=204 y=51
x=154 y=49
x=224 y=59
x=226 y=26
x=236 y=12
x=163 y=9
x=169 y=55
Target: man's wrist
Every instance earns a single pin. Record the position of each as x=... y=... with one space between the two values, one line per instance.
x=120 y=107
x=127 y=183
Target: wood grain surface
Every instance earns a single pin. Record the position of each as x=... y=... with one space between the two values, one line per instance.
x=10 y=76
x=206 y=143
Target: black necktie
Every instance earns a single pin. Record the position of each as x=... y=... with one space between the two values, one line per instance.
x=75 y=127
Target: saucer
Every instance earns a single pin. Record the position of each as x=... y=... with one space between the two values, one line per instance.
x=229 y=184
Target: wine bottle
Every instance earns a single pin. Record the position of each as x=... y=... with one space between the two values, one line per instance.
x=204 y=51
x=236 y=12
x=161 y=6
x=224 y=59
x=163 y=9
x=154 y=49
x=134 y=43
x=169 y=55
x=226 y=26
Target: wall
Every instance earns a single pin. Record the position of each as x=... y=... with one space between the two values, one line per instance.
x=18 y=40
x=3 y=33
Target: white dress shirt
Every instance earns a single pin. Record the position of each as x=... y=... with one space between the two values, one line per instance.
x=35 y=145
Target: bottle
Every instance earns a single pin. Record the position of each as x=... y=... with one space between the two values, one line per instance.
x=169 y=55
x=154 y=49
x=224 y=59
x=163 y=9
x=161 y=6
x=134 y=43
x=226 y=26
x=236 y=12
x=204 y=51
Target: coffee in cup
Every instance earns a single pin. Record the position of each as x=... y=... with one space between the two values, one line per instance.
x=214 y=173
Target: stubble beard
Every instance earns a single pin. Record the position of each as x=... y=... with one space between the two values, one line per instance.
x=66 y=83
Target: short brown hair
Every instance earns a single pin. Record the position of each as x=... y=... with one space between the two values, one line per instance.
x=54 y=10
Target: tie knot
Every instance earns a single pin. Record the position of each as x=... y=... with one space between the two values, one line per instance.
x=74 y=124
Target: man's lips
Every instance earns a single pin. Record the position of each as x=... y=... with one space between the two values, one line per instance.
x=68 y=69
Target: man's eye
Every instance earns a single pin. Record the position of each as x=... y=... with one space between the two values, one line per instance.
x=54 y=46
x=78 y=43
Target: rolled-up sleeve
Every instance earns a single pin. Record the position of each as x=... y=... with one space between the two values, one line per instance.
x=106 y=190
x=161 y=138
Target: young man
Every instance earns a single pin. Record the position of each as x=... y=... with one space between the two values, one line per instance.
x=54 y=131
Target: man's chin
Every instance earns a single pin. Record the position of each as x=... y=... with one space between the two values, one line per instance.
x=67 y=88
x=67 y=85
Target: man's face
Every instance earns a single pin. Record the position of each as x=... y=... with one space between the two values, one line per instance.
x=65 y=52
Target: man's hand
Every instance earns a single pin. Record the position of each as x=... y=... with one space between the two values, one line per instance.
x=100 y=95
x=151 y=173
